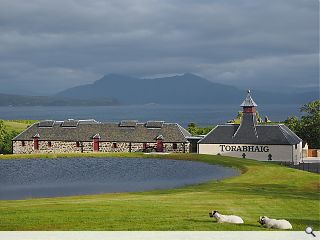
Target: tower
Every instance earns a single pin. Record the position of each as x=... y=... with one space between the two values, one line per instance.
x=247 y=128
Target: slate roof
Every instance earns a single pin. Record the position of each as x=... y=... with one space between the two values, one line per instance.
x=113 y=132
x=247 y=128
x=248 y=101
x=266 y=135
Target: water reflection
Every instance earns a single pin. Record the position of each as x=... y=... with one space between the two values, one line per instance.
x=21 y=179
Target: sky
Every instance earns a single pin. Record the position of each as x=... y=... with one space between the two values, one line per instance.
x=47 y=46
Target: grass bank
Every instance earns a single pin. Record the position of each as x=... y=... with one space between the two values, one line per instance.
x=262 y=189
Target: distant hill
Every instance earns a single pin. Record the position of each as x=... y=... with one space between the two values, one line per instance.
x=182 y=89
x=115 y=89
x=20 y=100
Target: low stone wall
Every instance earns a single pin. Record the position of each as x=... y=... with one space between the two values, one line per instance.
x=71 y=147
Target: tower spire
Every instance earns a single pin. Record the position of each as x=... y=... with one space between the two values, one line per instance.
x=248 y=101
x=248 y=121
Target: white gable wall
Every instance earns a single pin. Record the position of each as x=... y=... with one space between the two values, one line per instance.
x=252 y=151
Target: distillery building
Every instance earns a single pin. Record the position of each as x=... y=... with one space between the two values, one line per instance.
x=252 y=140
x=73 y=136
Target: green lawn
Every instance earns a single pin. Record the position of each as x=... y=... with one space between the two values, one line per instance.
x=261 y=189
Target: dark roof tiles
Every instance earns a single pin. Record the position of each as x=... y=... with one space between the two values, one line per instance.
x=112 y=132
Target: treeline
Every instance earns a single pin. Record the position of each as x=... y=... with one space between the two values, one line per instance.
x=6 y=136
x=197 y=130
x=308 y=126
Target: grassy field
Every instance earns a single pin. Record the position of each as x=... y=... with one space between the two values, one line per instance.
x=261 y=189
x=18 y=125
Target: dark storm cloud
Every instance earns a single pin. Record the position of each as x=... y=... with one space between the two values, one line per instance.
x=46 y=46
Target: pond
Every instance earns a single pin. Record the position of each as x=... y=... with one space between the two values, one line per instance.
x=33 y=178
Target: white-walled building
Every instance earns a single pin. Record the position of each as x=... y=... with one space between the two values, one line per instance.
x=252 y=140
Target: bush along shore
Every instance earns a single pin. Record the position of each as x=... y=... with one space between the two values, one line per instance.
x=262 y=189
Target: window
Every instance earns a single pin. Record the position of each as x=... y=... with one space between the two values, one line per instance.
x=296 y=146
x=77 y=144
x=174 y=146
x=145 y=146
x=23 y=143
x=49 y=144
x=114 y=145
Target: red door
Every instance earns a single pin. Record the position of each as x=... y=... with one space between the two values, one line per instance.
x=36 y=144
x=159 y=145
x=96 y=145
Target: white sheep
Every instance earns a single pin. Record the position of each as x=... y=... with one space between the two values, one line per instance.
x=226 y=218
x=274 y=223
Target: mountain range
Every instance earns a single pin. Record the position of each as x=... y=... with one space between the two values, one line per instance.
x=182 y=89
x=188 y=88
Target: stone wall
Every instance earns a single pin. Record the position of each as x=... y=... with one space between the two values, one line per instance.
x=109 y=147
x=58 y=147
x=181 y=147
x=71 y=147
x=19 y=149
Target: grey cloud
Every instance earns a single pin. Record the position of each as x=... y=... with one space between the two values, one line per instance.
x=66 y=43
x=268 y=72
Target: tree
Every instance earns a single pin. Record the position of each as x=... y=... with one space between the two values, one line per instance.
x=5 y=139
x=310 y=123
x=3 y=136
x=3 y=131
x=293 y=123
x=196 y=130
x=308 y=127
x=311 y=108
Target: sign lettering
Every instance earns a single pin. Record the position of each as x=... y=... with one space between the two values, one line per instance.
x=228 y=148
